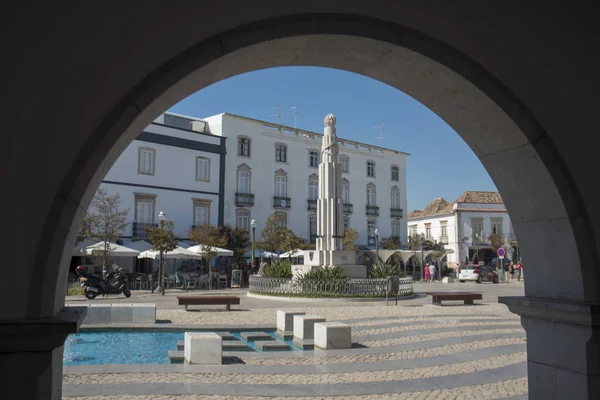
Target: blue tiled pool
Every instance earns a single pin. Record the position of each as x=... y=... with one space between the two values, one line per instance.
x=117 y=347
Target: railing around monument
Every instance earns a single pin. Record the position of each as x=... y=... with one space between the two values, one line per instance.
x=334 y=288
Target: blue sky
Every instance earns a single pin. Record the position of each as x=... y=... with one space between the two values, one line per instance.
x=440 y=162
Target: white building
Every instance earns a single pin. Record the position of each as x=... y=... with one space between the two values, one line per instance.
x=272 y=168
x=170 y=169
x=228 y=170
x=464 y=225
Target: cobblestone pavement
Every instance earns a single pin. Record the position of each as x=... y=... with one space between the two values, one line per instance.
x=475 y=352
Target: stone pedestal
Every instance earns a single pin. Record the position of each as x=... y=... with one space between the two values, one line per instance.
x=31 y=354
x=563 y=347
x=203 y=348
x=333 y=335
x=304 y=326
x=285 y=322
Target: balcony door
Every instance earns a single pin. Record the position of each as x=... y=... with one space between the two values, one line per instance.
x=243 y=182
x=144 y=211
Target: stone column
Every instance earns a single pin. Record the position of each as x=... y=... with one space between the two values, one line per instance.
x=563 y=347
x=31 y=353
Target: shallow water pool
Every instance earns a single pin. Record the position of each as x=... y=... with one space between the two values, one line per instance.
x=115 y=347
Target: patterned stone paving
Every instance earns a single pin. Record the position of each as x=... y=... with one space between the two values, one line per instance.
x=409 y=353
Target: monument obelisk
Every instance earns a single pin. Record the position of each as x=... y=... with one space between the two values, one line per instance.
x=329 y=250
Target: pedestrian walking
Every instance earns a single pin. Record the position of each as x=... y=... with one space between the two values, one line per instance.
x=511 y=272
x=519 y=269
x=427 y=273
x=432 y=272
x=457 y=270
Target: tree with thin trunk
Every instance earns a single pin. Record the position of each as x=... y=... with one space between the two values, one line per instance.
x=104 y=222
x=163 y=240
x=208 y=237
x=238 y=241
x=350 y=236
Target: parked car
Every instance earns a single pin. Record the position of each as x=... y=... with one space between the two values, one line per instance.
x=477 y=273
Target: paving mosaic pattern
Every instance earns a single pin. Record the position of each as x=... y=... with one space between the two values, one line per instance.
x=402 y=353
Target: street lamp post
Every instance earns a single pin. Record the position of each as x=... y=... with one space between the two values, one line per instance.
x=422 y=237
x=377 y=243
x=161 y=268
x=253 y=224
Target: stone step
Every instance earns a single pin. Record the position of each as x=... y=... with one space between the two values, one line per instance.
x=252 y=336
x=229 y=345
x=285 y=335
x=226 y=335
x=304 y=344
x=271 y=345
x=176 y=356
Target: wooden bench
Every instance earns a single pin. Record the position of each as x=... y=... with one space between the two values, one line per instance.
x=467 y=297
x=207 y=300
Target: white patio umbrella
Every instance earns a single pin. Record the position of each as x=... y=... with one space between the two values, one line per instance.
x=267 y=254
x=292 y=254
x=183 y=244
x=216 y=250
x=79 y=250
x=140 y=245
x=178 y=254
x=116 y=250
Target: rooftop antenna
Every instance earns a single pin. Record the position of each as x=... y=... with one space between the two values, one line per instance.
x=380 y=137
x=295 y=111
x=277 y=114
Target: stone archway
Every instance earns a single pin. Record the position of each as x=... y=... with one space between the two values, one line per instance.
x=501 y=111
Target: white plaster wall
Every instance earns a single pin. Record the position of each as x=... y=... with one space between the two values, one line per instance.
x=177 y=205
x=436 y=231
x=263 y=166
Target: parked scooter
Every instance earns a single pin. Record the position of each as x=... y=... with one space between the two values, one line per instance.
x=115 y=283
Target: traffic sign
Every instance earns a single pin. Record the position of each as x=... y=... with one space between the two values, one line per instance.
x=501 y=252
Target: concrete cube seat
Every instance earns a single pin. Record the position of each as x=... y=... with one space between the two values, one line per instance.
x=333 y=335
x=204 y=348
x=304 y=326
x=285 y=322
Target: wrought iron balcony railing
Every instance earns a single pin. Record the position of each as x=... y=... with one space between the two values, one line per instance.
x=312 y=204
x=139 y=229
x=244 y=199
x=348 y=208
x=444 y=239
x=281 y=202
x=396 y=212
x=372 y=210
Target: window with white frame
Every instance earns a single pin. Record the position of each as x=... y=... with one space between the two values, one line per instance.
x=345 y=163
x=412 y=230
x=243 y=181
x=497 y=226
x=243 y=218
x=146 y=157
x=395 y=197
x=444 y=227
x=281 y=219
x=371 y=169
x=203 y=169
x=281 y=153
x=313 y=158
x=201 y=212
x=144 y=209
x=477 y=228
x=312 y=225
x=396 y=228
x=244 y=146
x=371 y=196
x=371 y=225
x=346 y=192
x=313 y=189
x=428 y=231
x=395 y=173
x=281 y=186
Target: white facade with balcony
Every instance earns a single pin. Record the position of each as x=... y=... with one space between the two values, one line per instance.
x=272 y=168
x=172 y=170
x=463 y=227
